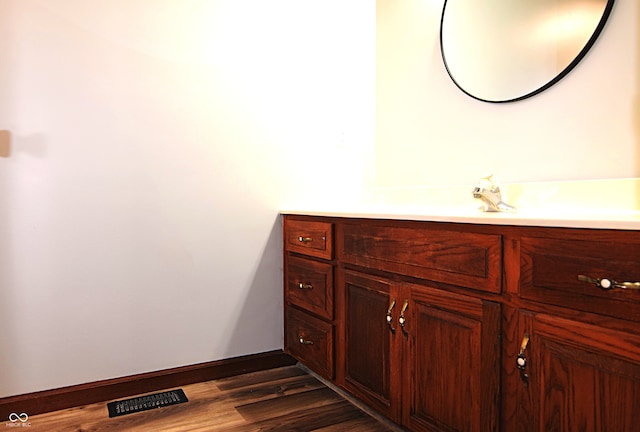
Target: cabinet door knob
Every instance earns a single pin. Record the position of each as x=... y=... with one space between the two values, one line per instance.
x=607 y=284
x=302 y=239
x=521 y=360
x=402 y=320
x=389 y=318
x=304 y=286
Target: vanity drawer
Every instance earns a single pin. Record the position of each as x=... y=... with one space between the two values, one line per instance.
x=309 y=340
x=549 y=270
x=309 y=285
x=467 y=259
x=312 y=238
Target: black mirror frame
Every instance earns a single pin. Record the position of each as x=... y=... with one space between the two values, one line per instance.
x=558 y=77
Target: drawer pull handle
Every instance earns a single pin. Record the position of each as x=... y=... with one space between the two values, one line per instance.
x=305 y=239
x=304 y=341
x=389 y=318
x=521 y=360
x=304 y=286
x=607 y=284
x=402 y=320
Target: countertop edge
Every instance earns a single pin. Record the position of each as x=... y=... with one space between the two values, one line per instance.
x=591 y=221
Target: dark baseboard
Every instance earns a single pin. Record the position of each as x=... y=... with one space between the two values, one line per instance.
x=117 y=388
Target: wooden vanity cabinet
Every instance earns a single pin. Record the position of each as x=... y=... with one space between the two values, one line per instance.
x=464 y=327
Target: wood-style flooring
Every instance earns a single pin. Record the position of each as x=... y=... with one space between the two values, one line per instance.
x=282 y=399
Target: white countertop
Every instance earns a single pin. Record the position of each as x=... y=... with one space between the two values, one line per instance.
x=598 y=220
x=599 y=204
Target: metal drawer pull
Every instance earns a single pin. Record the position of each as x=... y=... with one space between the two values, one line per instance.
x=305 y=239
x=303 y=341
x=521 y=360
x=607 y=284
x=305 y=286
x=389 y=317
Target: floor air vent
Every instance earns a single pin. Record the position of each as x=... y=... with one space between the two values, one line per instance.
x=144 y=403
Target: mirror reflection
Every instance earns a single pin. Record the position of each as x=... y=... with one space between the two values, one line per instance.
x=506 y=50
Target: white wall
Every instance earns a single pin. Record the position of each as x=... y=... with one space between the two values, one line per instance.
x=153 y=143
x=429 y=133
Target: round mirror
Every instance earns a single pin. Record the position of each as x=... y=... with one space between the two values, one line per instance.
x=507 y=50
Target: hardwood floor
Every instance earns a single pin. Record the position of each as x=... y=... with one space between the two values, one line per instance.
x=282 y=399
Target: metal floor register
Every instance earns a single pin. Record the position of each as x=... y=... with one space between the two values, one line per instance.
x=148 y=402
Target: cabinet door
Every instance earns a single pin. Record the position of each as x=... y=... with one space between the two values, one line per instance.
x=452 y=379
x=581 y=377
x=371 y=355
